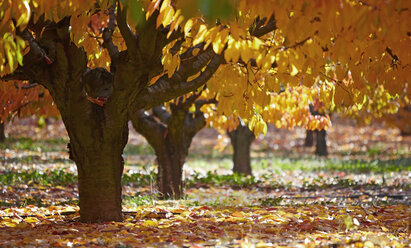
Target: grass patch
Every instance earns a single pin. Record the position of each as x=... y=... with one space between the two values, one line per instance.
x=321 y=164
x=140 y=200
x=212 y=178
x=48 y=177
x=139 y=179
x=29 y=144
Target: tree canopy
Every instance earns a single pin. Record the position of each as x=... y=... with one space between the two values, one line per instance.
x=344 y=50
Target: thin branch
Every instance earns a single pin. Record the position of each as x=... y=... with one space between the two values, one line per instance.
x=108 y=37
x=25 y=87
x=35 y=47
x=16 y=75
x=300 y=43
x=129 y=37
x=267 y=28
x=202 y=102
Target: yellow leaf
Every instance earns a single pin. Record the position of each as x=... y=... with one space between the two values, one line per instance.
x=188 y=26
x=150 y=223
x=294 y=70
x=384 y=229
x=238 y=214
x=195 y=51
x=31 y=220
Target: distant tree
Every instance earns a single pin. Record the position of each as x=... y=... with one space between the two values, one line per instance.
x=170 y=130
x=317 y=109
x=241 y=139
x=22 y=99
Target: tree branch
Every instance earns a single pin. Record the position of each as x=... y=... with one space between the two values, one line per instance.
x=16 y=75
x=107 y=38
x=166 y=88
x=261 y=30
x=129 y=37
x=161 y=113
x=25 y=87
x=145 y=124
x=35 y=47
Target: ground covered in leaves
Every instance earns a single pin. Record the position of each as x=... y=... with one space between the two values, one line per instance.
x=360 y=196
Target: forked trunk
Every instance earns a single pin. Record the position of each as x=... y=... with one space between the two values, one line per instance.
x=2 y=132
x=241 y=139
x=170 y=135
x=321 y=144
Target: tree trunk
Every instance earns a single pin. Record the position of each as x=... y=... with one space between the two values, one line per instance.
x=309 y=138
x=170 y=135
x=96 y=146
x=241 y=139
x=171 y=159
x=2 y=132
x=321 y=144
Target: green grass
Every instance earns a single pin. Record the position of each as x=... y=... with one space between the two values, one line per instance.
x=140 y=179
x=212 y=178
x=321 y=164
x=48 y=177
x=140 y=200
x=29 y=144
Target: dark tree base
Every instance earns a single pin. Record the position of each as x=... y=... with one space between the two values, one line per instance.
x=241 y=139
x=2 y=132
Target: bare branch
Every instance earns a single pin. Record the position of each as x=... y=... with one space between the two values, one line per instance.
x=129 y=37
x=261 y=30
x=16 y=75
x=193 y=65
x=35 y=47
x=25 y=87
x=107 y=37
x=202 y=102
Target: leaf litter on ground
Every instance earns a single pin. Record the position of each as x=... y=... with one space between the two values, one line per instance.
x=317 y=203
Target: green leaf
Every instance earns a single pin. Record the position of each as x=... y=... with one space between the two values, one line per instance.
x=135 y=14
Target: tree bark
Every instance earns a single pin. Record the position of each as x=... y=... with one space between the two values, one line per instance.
x=2 y=132
x=321 y=144
x=97 y=140
x=171 y=158
x=170 y=134
x=241 y=139
x=309 y=138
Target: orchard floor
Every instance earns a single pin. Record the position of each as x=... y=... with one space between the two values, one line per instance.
x=359 y=196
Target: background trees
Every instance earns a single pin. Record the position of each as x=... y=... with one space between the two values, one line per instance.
x=23 y=100
x=330 y=50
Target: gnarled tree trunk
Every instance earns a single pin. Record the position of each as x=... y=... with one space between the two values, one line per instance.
x=96 y=146
x=241 y=139
x=170 y=134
